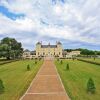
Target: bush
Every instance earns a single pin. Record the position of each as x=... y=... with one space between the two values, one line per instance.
x=39 y=59
x=1 y=86
x=67 y=67
x=91 y=86
x=35 y=62
x=61 y=62
x=28 y=67
x=57 y=59
x=73 y=58
x=96 y=63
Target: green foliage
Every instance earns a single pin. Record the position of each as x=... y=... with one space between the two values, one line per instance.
x=73 y=58
x=39 y=59
x=1 y=86
x=91 y=86
x=98 y=52
x=94 y=58
x=89 y=61
x=15 y=74
x=10 y=48
x=67 y=67
x=28 y=67
x=68 y=50
x=84 y=51
x=61 y=62
x=35 y=61
x=87 y=52
x=57 y=59
x=75 y=80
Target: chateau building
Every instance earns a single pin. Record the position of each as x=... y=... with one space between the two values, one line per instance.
x=49 y=50
x=28 y=54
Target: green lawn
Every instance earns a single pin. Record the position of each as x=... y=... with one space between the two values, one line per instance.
x=16 y=78
x=6 y=61
x=75 y=80
x=92 y=59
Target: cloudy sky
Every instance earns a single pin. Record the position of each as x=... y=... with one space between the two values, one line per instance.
x=76 y=23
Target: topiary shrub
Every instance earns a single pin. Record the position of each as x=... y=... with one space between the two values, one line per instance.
x=91 y=86
x=67 y=67
x=73 y=58
x=94 y=58
x=57 y=59
x=61 y=62
x=39 y=59
x=1 y=87
x=28 y=67
x=35 y=62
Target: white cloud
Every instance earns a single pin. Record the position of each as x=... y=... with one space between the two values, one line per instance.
x=74 y=21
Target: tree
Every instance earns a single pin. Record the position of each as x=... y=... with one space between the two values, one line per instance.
x=91 y=86
x=87 y=52
x=28 y=67
x=67 y=67
x=10 y=48
x=1 y=86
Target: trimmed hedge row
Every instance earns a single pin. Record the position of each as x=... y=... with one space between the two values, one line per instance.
x=7 y=62
x=96 y=63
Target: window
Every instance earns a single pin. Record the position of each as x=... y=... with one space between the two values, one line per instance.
x=43 y=53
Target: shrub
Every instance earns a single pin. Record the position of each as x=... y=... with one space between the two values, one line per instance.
x=35 y=62
x=96 y=63
x=73 y=58
x=61 y=62
x=91 y=86
x=28 y=67
x=67 y=67
x=57 y=59
x=39 y=59
x=1 y=86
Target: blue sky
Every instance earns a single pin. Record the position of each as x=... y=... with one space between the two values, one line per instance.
x=76 y=23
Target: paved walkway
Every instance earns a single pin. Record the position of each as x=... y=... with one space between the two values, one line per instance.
x=46 y=85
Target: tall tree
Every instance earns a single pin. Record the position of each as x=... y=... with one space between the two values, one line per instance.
x=10 y=48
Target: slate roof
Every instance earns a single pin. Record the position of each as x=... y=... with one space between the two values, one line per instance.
x=59 y=43
x=33 y=52
x=26 y=50
x=38 y=43
x=46 y=46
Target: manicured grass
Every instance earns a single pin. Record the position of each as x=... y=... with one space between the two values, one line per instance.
x=16 y=78
x=92 y=59
x=75 y=80
x=6 y=61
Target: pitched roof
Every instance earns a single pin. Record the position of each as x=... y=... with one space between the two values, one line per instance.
x=26 y=50
x=46 y=46
x=59 y=42
x=38 y=43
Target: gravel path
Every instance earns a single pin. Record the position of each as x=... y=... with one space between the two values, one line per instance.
x=46 y=85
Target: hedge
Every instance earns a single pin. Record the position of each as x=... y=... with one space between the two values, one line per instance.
x=5 y=62
x=96 y=63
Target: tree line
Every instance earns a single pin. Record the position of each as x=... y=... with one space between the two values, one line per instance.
x=10 y=48
x=84 y=51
